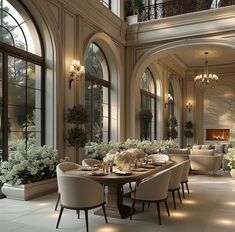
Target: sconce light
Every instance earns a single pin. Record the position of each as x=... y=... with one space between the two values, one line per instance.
x=76 y=71
x=189 y=105
x=170 y=99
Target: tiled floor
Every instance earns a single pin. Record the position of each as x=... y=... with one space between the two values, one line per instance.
x=209 y=208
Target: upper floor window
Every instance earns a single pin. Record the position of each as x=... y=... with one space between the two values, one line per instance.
x=148 y=101
x=97 y=95
x=107 y=3
x=21 y=78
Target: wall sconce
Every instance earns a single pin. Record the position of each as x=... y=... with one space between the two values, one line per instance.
x=76 y=71
x=170 y=99
x=189 y=105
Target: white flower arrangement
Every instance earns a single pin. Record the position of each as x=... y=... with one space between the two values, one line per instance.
x=230 y=156
x=99 y=151
x=29 y=164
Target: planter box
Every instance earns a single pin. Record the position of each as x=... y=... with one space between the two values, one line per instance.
x=29 y=191
x=132 y=19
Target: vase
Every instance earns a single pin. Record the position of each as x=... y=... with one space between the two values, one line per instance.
x=28 y=191
x=232 y=172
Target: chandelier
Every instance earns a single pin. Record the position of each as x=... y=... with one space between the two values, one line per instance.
x=207 y=78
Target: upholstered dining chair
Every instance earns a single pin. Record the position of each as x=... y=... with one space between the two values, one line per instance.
x=60 y=170
x=158 y=157
x=79 y=193
x=184 y=176
x=174 y=184
x=153 y=189
x=90 y=162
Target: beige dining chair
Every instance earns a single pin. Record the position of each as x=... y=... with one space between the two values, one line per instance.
x=174 y=184
x=158 y=157
x=60 y=170
x=90 y=162
x=184 y=176
x=79 y=193
x=153 y=189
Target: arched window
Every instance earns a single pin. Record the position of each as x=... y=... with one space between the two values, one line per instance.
x=97 y=95
x=171 y=101
x=148 y=101
x=21 y=77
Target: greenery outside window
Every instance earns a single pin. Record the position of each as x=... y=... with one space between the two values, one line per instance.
x=97 y=95
x=21 y=80
x=148 y=101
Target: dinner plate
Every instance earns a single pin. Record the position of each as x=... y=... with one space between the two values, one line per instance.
x=149 y=166
x=87 y=168
x=123 y=172
x=139 y=169
x=98 y=174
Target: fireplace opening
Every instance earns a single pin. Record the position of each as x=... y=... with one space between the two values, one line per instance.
x=218 y=134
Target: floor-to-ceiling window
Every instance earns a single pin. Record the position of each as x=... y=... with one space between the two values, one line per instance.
x=21 y=78
x=97 y=95
x=148 y=101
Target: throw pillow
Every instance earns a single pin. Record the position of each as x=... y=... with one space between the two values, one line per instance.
x=202 y=152
x=219 y=148
x=195 y=146
x=206 y=147
x=227 y=146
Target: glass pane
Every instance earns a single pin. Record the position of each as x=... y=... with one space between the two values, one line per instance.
x=33 y=98
x=13 y=137
x=96 y=64
x=147 y=83
x=16 y=71
x=17 y=118
x=37 y=119
x=16 y=95
x=16 y=25
x=33 y=76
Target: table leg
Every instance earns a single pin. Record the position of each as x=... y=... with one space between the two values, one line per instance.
x=114 y=206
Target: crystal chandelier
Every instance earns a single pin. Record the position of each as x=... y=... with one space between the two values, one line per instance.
x=207 y=78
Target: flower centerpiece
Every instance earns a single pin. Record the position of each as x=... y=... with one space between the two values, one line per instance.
x=27 y=165
x=230 y=156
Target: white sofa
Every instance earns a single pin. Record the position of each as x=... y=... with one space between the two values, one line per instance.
x=205 y=160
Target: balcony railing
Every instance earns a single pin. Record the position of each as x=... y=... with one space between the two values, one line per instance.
x=177 y=7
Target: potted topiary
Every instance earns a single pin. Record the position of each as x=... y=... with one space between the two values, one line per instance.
x=230 y=156
x=134 y=9
x=77 y=136
x=145 y=116
x=172 y=124
x=188 y=133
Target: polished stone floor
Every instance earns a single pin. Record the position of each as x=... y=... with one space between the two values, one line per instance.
x=209 y=208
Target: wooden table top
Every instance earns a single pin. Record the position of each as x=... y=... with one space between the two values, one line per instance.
x=113 y=178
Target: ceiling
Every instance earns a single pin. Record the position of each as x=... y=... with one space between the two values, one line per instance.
x=194 y=56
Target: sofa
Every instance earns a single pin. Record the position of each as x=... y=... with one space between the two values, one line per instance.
x=205 y=160
x=178 y=155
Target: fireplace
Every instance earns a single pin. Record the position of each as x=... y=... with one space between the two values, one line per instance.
x=218 y=134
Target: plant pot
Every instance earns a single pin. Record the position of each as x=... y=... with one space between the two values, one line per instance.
x=232 y=172
x=132 y=19
x=29 y=191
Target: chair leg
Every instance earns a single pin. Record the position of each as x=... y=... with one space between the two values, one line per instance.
x=149 y=204
x=182 y=186
x=159 y=213
x=57 y=202
x=143 y=206
x=173 y=196
x=130 y=186
x=104 y=211
x=86 y=217
x=58 y=221
x=167 y=209
x=187 y=187
x=78 y=213
x=178 y=191
x=132 y=209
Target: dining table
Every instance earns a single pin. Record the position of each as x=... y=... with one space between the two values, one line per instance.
x=114 y=182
